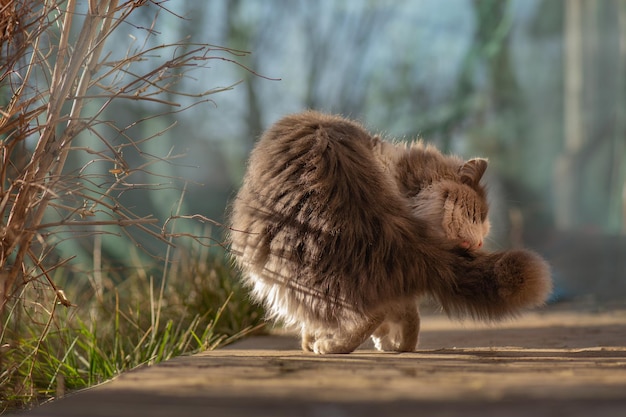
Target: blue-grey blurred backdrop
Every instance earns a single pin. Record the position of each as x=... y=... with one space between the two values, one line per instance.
x=536 y=86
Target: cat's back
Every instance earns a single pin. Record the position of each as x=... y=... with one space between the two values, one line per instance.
x=319 y=160
x=315 y=197
x=310 y=134
x=293 y=127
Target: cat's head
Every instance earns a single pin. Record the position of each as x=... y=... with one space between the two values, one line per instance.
x=457 y=210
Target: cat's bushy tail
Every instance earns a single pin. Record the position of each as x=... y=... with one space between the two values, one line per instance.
x=491 y=286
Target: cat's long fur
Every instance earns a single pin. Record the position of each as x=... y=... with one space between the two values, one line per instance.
x=325 y=236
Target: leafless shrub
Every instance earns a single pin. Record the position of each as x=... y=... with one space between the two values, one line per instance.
x=59 y=77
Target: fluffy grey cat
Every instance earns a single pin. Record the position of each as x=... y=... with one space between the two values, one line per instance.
x=339 y=233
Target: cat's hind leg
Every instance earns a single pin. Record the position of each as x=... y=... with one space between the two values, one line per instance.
x=400 y=330
x=409 y=329
x=307 y=340
x=344 y=341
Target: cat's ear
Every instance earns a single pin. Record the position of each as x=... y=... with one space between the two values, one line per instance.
x=472 y=171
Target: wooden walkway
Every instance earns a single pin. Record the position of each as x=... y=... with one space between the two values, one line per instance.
x=550 y=363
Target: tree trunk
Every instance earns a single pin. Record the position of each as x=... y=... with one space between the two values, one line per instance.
x=566 y=173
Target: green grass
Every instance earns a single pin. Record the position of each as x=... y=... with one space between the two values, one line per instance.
x=48 y=349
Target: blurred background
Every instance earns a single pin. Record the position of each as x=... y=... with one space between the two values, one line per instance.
x=131 y=236
x=536 y=86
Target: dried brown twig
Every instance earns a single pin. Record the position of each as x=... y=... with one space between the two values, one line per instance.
x=53 y=60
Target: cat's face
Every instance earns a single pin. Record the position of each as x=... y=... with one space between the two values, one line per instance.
x=457 y=211
x=454 y=211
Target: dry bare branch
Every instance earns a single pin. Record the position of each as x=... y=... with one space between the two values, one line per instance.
x=61 y=78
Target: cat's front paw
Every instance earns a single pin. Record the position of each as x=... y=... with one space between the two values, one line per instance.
x=386 y=343
x=387 y=337
x=382 y=344
x=390 y=338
